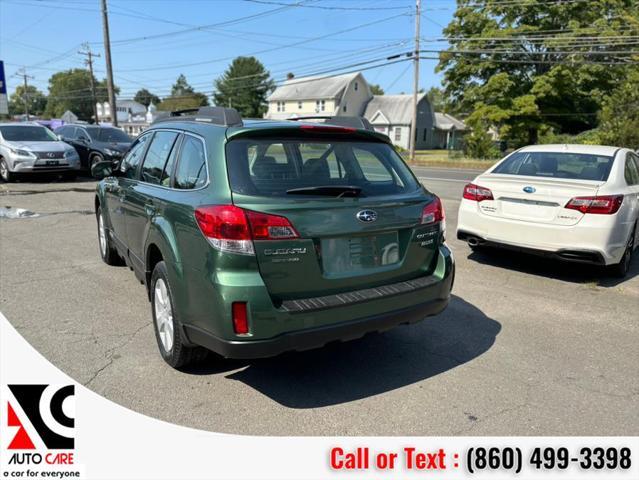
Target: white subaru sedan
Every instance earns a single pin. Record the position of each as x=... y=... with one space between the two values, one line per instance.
x=578 y=203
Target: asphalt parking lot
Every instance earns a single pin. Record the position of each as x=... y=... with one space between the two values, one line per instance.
x=526 y=347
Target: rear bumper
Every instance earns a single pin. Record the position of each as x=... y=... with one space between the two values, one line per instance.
x=575 y=255
x=312 y=323
x=315 y=337
x=596 y=239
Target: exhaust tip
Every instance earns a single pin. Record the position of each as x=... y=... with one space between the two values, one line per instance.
x=473 y=241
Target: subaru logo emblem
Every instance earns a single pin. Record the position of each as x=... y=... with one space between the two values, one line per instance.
x=529 y=189
x=366 y=216
x=50 y=154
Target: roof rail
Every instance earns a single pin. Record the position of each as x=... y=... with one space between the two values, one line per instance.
x=227 y=117
x=339 y=121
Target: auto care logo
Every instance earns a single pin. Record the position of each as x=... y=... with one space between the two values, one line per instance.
x=48 y=411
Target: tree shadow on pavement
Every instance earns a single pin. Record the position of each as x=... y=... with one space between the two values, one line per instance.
x=551 y=268
x=377 y=363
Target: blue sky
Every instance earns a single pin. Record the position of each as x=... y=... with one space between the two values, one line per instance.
x=153 y=41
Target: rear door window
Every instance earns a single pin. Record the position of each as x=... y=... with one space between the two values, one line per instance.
x=191 y=168
x=278 y=167
x=157 y=156
x=574 y=166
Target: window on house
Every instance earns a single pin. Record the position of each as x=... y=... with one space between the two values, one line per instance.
x=344 y=107
x=320 y=105
x=425 y=134
x=299 y=105
x=398 y=134
x=356 y=86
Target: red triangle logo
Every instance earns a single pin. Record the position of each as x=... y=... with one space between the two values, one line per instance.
x=21 y=441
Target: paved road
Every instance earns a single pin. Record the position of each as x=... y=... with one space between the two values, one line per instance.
x=527 y=347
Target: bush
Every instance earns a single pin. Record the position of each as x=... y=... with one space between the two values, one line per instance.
x=479 y=144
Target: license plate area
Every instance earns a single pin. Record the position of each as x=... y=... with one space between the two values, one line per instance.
x=360 y=253
x=49 y=163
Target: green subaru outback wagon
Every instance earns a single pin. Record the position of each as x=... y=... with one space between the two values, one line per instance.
x=257 y=237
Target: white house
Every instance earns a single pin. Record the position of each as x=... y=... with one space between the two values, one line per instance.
x=338 y=95
x=125 y=108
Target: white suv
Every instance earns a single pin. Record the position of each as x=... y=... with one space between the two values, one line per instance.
x=30 y=147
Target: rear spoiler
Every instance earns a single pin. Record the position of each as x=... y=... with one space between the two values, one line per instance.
x=361 y=123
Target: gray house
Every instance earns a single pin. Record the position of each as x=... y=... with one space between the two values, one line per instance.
x=393 y=115
x=449 y=131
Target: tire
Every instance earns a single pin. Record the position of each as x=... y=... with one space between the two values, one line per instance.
x=167 y=326
x=93 y=159
x=620 y=269
x=108 y=253
x=5 y=174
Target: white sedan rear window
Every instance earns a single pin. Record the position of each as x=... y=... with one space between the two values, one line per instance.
x=574 y=166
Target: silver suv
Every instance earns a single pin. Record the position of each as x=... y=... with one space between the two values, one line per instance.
x=30 y=147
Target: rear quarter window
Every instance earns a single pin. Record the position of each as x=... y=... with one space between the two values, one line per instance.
x=191 y=168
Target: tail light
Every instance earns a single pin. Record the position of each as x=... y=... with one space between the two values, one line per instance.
x=240 y=318
x=232 y=229
x=476 y=193
x=602 y=205
x=433 y=212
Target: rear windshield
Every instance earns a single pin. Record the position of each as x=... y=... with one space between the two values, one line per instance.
x=284 y=167
x=27 y=134
x=574 y=166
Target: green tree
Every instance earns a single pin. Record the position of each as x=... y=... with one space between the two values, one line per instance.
x=376 y=89
x=71 y=90
x=183 y=96
x=478 y=143
x=620 y=114
x=437 y=98
x=528 y=66
x=145 y=97
x=244 y=86
x=36 y=101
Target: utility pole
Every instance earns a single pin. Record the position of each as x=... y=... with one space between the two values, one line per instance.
x=89 y=61
x=413 y=125
x=109 y=67
x=25 y=97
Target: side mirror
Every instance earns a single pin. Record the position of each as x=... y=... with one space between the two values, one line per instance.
x=103 y=169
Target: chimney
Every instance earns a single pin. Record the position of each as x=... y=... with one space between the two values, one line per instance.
x=290 y=76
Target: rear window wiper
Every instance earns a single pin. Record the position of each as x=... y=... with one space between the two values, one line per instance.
x=328 y=190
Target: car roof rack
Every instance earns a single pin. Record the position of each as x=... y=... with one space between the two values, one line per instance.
x=227 y=117
x=339 y=121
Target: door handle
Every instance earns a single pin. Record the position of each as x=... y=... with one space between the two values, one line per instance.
x=150 y=209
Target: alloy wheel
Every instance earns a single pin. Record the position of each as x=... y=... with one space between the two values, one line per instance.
x=102 y=235
x=163 y=314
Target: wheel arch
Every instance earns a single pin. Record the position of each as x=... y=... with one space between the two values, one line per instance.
x=161 y=245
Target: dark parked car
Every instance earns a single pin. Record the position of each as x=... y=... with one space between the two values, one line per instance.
x=95 y=143
x=256 y=237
